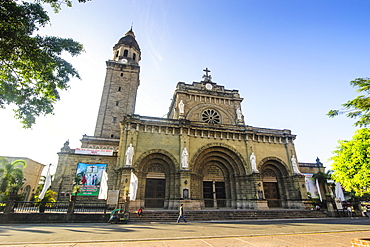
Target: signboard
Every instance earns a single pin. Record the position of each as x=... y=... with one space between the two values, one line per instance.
x=311 y=185
x=88 y=177
x=94 y=151
x=113 y=196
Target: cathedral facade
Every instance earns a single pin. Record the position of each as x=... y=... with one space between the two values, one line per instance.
x=202 y=154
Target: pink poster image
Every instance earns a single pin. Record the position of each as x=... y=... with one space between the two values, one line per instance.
x=88 y=177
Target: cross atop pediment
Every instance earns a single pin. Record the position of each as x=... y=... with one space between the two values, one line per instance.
x=206 y=76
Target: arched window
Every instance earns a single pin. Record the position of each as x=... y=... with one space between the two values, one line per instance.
x=125 y=53
x=27 y=192
x=117 y=53
x=134 y=57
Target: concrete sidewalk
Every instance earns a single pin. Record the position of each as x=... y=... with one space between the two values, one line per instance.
x=299 y=232
x=295 y=240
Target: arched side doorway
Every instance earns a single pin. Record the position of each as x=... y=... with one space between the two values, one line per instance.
x=157 y=178
x=273 y=172
x=218 y=168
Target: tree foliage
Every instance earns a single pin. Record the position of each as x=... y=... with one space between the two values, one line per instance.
x=360 y=106
x=11 y=175
x=50 y=196
x=32 y=71
x=351 y=163
x=57 y=4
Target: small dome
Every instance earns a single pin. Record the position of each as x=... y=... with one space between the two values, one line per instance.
x=129 y=40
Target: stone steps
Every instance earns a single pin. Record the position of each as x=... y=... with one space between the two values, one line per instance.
x=215 y=215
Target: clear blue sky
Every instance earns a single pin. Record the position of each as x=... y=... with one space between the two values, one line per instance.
x=290 y=60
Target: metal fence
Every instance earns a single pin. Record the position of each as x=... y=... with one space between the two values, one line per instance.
x=60 y=207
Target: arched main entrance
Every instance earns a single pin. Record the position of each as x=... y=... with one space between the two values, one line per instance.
x=155 y=186
x=273 y=183
x=214 y=191
x=158 y=179
x=218 y=167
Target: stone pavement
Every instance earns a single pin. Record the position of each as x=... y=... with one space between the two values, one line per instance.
x=328 y=232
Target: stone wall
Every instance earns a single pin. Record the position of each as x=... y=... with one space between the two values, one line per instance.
x=52 y=218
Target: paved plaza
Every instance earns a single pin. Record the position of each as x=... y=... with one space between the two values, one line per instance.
x=327 y=232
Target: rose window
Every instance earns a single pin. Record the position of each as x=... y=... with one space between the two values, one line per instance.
x=211 y=116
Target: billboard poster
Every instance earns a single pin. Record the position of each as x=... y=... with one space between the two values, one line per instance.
x=311 y=185
x=88 y=177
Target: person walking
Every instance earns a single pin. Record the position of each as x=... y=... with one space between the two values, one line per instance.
x=349 y=211
x=364 y=211
x=352 y=212
x=181 y=214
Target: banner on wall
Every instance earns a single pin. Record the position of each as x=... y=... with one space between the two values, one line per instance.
x=88 y=177
x=94 y=151
x=311 y=185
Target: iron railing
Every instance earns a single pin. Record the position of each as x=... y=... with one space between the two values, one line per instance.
x=59 y=207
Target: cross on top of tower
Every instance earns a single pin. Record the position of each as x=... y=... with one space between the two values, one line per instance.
x=206 y=76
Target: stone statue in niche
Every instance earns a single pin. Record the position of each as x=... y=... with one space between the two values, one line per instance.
x=253 y=163
x=129 y=155
x=295 y=165
x=239 y=114
x=184 y=158
x=181 y=107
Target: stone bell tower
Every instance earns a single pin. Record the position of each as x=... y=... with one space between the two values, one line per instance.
x=120 y=87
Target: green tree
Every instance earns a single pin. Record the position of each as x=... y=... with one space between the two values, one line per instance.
x=11 y=175
x=360 y=106
x=351 y=163
x=57 y=4
x=32 y=71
